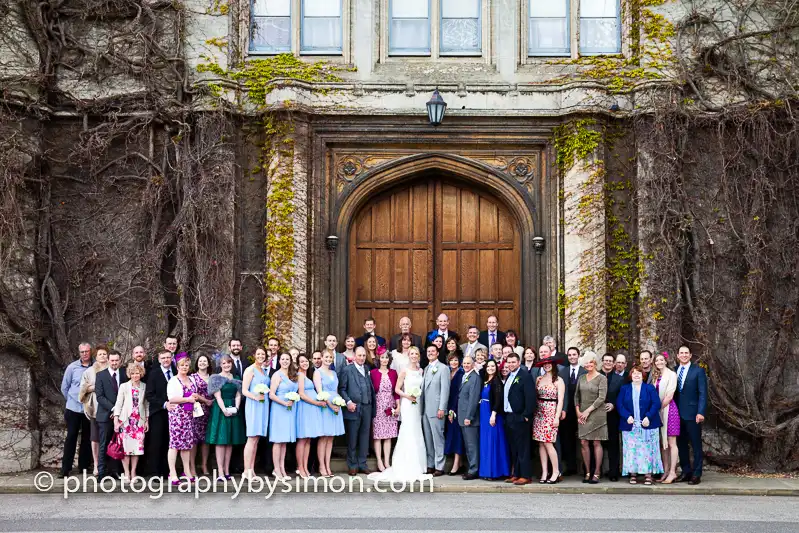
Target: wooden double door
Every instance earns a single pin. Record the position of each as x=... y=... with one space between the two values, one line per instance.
x=429 y=247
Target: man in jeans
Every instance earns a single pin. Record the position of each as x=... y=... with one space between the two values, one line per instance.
x=73 y=414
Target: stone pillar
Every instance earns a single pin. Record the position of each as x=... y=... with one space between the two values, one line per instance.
x=584 y=240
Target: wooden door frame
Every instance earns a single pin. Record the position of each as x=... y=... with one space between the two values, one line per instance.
x=383 y=177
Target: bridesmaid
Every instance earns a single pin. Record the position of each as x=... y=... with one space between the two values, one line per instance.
x=453 y=443
x=225 y=427
x=256 y=411
x=182 y=394
x=551 y=390
x=494 y=462
x=384 y=425
x=309 y=414
x=326 y=380
x=200 y=377
x=282 y=416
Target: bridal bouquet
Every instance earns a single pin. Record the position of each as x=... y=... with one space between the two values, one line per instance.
x=452 y=415
x=339 y=401
x=323 y=396
x=416 y=392
x=292 y=397
x=261 y=388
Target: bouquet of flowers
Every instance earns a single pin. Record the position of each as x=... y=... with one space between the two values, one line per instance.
x=452 y=415
x=416 y=392
x=292 y=397
x=339 y=401
x=323 y=396
x=261 y=388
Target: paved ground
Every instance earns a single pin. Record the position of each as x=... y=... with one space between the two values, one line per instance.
x=415 y=513
x=713 y=483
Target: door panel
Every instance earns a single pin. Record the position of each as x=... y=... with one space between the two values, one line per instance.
x=434 y=247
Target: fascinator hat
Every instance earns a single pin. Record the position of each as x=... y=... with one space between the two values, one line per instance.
x=181 y=356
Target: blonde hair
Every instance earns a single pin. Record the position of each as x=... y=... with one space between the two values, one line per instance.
x=588 y=356
x=414 y=349
x=137 y=367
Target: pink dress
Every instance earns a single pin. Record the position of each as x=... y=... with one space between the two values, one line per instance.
x=385 y=425
x=543 y=429
x=132 y=432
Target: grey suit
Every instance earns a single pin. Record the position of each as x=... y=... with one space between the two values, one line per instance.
x=468 y=403
x=356 y=388
x=478 y=346
x=339 y=362
x=435 y=396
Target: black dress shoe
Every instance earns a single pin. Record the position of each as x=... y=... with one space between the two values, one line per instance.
x=696 y=480
x=437 y=473
x=613 y=478
x=684 y=478
x=469 y=477
x=62 y=475
x=431 y=470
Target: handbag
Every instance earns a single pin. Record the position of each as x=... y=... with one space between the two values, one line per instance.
x=198 y=410
x=116 y=448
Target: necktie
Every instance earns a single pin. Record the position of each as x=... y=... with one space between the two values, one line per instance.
x=574 y=376
x=493 y=339
x=114 y=377
x=680 y=377
x=168 y=374
x=238 y=366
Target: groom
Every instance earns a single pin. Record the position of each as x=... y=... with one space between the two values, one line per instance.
x=435 y=396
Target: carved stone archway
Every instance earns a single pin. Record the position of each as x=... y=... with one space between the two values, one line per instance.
x=481 y=175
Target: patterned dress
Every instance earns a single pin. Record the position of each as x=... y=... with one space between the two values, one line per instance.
x=641 y=445
x=200 y=423
x=132 y=432
x=385 y=425
x=543 y=429
x=181 y=425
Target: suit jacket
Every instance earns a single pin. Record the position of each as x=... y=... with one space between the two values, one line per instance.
x=560 y=358
x=353 y=387
x=107 y=392
x=615 y=383
x=522 y=395
x=416 y=340
x=478 y=346
x=692 y=399
x=151 y=365
x=156 y=389
x=565 y=373
x=235 y=371
x=435 y=390
x=483 y=338
x=648 y=406
x=469 y=400
x=362 y=339
x=124 y=405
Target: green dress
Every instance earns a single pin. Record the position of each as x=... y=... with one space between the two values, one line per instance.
x=225 y=430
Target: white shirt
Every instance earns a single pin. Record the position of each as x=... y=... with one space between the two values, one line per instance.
x=444 y=334
x=684 y=374
x=471 y=347
x=165 y=370
x=237 y=363
x=360 y=369
x=575 y=369
x=114 y=375
x=466 y=375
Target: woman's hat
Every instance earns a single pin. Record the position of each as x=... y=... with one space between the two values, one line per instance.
x=181 y=355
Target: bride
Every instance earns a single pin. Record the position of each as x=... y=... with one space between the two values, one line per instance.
x=410 y=459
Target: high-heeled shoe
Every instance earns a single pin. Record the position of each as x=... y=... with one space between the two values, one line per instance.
x=557 y=479
x=543 y=480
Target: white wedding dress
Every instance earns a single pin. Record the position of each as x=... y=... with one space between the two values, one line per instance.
x=409 y=461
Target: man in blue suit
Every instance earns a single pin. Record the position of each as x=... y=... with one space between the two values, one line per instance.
x=691 y=398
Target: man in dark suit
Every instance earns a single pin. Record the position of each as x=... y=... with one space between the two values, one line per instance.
x=468 y=415
x=559 y=357
x=571 y=374
x=520 y=403
x=355 y=387
x=443 y=329
x=106 y=387
x=405 y=327
x=492 y=334
x=369 y=326
x=691 y=399
x=239 y=365
x=157 y=441
x=611 y=445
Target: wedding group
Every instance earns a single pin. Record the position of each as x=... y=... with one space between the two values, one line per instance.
x=480 y=407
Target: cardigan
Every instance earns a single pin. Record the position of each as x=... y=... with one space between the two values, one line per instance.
x=648 y=406
x=392 y=377
x=124 y=405
x=668 y=384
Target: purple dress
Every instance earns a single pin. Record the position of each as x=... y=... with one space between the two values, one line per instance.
x=181 y=426
x=673 y=423
x=200 y=423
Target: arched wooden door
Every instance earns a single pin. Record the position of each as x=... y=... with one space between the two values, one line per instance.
x=432 y=247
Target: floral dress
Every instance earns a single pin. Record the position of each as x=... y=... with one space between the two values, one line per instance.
x=181 y=425
x=132 y=432
x=200 y=423
x=385 y=424
x=543 y=429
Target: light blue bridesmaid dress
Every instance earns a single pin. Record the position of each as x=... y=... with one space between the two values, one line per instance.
x=332 y=423
x=256 y=414
x=282 y=421
x=309 y=417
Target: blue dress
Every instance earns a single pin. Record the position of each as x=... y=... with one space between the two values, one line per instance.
x=309 y=417
x=256 y=414
x=454 y=439
x=332 y=423
x=494 y=461
x=282 y=421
